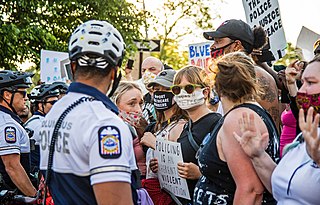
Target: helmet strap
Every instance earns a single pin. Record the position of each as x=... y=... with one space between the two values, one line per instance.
x=11 y=102
x=115 y=83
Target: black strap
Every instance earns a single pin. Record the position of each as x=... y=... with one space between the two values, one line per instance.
x=193 y=143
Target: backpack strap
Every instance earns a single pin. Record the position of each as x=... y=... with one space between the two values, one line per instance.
x=193 y=143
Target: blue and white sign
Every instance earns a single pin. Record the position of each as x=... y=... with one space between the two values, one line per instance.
x=50 y=68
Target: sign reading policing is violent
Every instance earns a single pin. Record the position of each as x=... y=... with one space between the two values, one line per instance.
x=168 y=155
x=266 y=13
x=199 y=54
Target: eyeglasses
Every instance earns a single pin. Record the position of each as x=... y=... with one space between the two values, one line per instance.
x=51 y=102
x=22 y=92
x=190 y=88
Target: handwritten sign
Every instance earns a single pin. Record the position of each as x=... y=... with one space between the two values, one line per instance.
x=199 y=54
x=50 y=68
x=168 y=155
x=266 y=13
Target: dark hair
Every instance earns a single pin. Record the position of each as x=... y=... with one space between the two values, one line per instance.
x=178 y=113
x=89 y=72
x=236 y=77
x=260 y=39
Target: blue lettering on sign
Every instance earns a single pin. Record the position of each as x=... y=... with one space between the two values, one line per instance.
x=55 y=69
x=55 y=78
x=199 y=51
x=47 y=60
x=48 y=79
x=191 y=51
x=55 y=60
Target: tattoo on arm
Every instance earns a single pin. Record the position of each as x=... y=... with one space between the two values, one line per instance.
x=269 y=94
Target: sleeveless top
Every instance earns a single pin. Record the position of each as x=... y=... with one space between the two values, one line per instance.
x=217 y=185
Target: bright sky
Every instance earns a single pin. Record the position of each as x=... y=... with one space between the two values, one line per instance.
x=294 y=14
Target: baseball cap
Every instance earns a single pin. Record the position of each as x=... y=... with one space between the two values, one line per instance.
x=234 y=29
x=164 y=78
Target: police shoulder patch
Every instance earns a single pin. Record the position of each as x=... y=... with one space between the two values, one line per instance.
x=10 y=134
x=109 y=140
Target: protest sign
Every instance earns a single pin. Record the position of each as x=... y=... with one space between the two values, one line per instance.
x=305 y=41
x=266 y=13
x=50 y=68
x=168 y=155
x=199 y=54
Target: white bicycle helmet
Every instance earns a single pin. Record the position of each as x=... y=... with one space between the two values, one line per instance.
x=97 y=38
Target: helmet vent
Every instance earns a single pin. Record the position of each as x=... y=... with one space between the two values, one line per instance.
x=116 y=47
x=95 y=33
x=74 y=41
x=94 y=43
x=94 y=24
x=117 y=37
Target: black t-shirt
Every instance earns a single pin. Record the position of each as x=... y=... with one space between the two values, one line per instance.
x=199 y=130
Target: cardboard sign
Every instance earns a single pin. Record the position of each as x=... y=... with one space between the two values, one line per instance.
x=50 y=68
x=168 y=155
x=199 y=54
x=266 y=13
x=305 y=41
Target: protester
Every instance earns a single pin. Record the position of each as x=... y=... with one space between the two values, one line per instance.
x=128 y=97
x=236 y=35
x=169 y=125
x=14 y=143
x=295 y=180
x=86 y=149
x=151 y=67
x=191 y=93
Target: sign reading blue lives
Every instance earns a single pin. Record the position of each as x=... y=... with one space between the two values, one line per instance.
x=109 y=142
x=10 y=133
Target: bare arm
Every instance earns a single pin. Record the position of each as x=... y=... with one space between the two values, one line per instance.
x=249 y=187
x=113 y=193
x=17 y=174
x=253 y=144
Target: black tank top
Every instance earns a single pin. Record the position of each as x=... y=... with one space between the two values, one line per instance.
x=217 y=185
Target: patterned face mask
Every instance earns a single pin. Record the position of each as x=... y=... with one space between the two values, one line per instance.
x=148 y=77
x=186 y=101
x=305 y=101
x=132 y=118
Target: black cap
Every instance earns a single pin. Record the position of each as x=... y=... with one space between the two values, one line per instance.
x=234 y=29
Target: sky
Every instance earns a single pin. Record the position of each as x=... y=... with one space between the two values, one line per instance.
x=294 y=15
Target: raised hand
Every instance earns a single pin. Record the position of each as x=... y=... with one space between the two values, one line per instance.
x=252 y=141
x=309 y=128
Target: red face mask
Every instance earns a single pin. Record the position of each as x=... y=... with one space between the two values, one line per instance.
x=217 y=52
x=305 y=101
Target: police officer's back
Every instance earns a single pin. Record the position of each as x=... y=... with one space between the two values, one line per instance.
x=14 y=141
x=93 y=154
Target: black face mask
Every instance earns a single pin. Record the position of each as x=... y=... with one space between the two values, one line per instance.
x=162 y=100
x=215 y=53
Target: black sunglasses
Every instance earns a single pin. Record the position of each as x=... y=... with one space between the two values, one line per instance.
x=22 y=92
x=51 y=102
x=190 y=88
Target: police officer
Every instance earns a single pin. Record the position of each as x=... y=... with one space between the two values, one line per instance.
x=63 y=88
x=93 y=153
x=14 y=141
x=42 y=98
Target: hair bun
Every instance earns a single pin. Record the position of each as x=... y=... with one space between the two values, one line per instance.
x=260 y=37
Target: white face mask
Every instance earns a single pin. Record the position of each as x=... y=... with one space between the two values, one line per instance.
x=186 y=101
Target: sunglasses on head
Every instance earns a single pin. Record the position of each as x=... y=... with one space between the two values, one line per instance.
x=190 y=88
x=51 y=102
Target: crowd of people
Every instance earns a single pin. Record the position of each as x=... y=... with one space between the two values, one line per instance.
x=248 y=134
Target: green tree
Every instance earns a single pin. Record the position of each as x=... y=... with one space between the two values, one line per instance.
x=27 y=26
x=174 y=21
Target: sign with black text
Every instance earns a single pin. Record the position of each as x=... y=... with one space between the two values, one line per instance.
x=266 y=13
x=169 y=154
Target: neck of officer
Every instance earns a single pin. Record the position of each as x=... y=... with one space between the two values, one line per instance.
x=4 y=104
x=102 y=84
